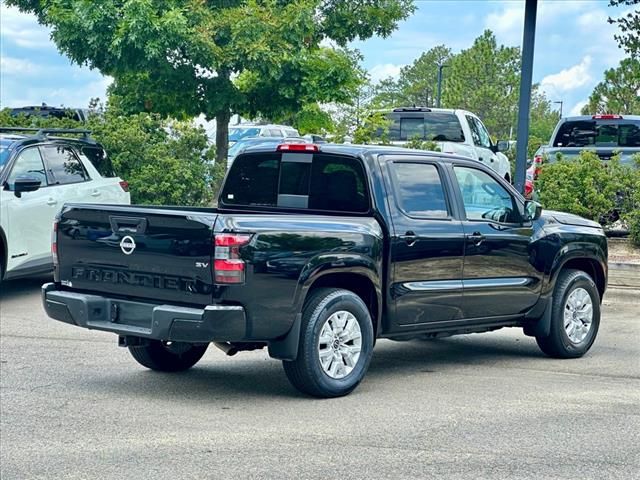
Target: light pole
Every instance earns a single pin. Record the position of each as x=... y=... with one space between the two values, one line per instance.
x=440 y=67
x=561 y=103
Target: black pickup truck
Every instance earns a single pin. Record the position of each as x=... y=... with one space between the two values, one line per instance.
x=316 y=251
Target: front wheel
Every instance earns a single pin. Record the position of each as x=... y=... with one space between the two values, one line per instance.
x=168 y=356
x=575 y=316
x=336 y=344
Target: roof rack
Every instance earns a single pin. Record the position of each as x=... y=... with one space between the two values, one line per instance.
x=42 y=132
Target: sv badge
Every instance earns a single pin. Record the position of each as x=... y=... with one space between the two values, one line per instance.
x=202 y=264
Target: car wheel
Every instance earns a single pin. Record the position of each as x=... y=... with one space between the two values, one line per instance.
x=575 y=316
x=168 y=356
x=336 y=344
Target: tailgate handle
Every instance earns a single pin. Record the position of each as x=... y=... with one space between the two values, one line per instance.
x=128 y=224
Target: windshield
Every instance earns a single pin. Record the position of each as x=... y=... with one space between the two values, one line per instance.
x=428 y=126
x=236 y=134
x=598 y=133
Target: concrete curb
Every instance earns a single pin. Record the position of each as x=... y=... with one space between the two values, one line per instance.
x=624 y=275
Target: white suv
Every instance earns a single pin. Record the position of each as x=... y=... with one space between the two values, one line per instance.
x=38 y=175
x=452 y=131
x=250 y=130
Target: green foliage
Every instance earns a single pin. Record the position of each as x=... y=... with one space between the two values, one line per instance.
x=253 y=57
x=629 y=25
x=417 y=83
x=165 y=162
x=484 y=79
x=312 y=119
x=587 y=187
x=418 y=143
x=618 y=92
x=373 y=129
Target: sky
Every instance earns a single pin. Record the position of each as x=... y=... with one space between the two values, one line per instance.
x=574 y=46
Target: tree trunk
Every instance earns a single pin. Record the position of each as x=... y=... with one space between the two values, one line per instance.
x=222 y=136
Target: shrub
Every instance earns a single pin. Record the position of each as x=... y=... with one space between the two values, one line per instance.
x=582 y=186
x=590 y=188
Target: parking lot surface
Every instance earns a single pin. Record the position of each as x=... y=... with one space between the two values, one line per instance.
x=74 y=405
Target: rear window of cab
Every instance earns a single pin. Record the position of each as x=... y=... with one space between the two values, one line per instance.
x=323 y=182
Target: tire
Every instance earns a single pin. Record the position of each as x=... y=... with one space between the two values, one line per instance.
x=324 y=308
x=168 y=357
x=562 y=341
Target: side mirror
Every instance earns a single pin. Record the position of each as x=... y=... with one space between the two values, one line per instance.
x=25 y=183
x=532 y=210
x=503 y=146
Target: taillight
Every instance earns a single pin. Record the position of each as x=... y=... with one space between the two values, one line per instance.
x=607 y=117
x=124 y=185
x=537 y=166
x=528 y=189
x=228 y=267
x=54 y=243
x=297 y=147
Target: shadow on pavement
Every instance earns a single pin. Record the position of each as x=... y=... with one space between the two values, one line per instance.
x=13 y=289
x=228 y=380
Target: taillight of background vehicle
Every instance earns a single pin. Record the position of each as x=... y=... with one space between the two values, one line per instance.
x=537 y=166
x=528 y=189
x=228 y=267
x=124 y=185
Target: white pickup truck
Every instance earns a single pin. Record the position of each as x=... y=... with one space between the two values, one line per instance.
x=453 y=131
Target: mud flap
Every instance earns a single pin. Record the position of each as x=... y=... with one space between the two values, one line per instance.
x=286 y=348
x=541 y=327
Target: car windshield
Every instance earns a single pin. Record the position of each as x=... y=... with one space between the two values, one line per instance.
x=236 y=134
x=598 y=133
x=427 y=126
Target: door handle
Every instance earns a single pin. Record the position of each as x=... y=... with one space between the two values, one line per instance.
x=52 y=201
x=410 y=238
x=476 y=238
x=95 y=193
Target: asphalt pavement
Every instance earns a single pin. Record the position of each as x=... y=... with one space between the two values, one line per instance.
x=73 y=405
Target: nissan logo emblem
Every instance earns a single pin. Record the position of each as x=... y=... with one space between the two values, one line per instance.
x=127 y=245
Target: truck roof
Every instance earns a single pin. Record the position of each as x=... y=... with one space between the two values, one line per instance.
x=578 y=118
x=360 y=150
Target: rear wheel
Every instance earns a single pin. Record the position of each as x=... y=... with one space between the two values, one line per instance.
x=168 y=356
x=336 y=344
x=575 y=316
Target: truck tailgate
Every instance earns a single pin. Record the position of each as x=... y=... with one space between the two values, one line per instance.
x=158 y=253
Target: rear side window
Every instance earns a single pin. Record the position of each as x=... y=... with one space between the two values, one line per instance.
x=598 y=133
x=419 y=190
x=292 y=180
x=63 y=166
x=98 y=158
x=428 y=126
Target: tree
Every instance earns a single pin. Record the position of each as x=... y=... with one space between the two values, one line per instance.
x=629 y=25
x=485 y=79
x=417 y=83
x=186 y=57
x=619 y=92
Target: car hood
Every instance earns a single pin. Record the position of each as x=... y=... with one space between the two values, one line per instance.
x=551 y=216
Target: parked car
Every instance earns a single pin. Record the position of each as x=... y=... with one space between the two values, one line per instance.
x=317 y=250
x=238 y=132
x=241 y=145
x=40 y=173
x=45 y=111
x=606 y=135
x=453 y=131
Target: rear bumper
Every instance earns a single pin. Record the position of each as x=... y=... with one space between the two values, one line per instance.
x=159 y=322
